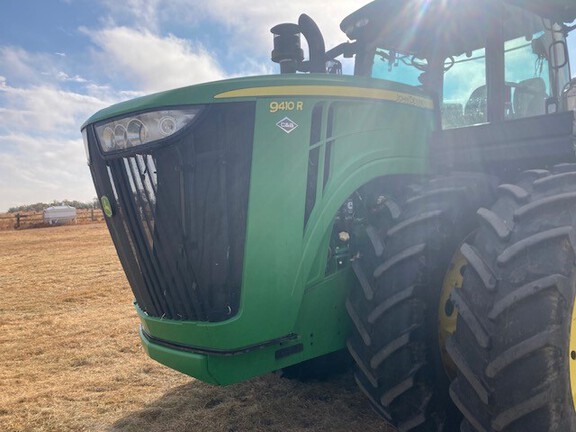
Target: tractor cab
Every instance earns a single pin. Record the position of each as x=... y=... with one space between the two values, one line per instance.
x=484 y=63
x=491 y=65
x=463 y=51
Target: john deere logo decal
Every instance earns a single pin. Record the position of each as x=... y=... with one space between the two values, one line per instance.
x=106 y=207
x=286 y=125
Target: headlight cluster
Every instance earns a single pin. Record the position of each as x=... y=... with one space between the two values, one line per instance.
x=136 y=130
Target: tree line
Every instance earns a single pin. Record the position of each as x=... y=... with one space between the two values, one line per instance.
x=37 y=207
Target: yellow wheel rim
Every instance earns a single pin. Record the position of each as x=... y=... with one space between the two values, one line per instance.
x=572 y=354
x=447 y=312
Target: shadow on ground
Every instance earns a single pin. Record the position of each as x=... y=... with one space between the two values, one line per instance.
x=268 y=403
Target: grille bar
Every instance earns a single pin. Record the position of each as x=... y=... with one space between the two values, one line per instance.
x=181 y=211
x=147 y=265
x=182 y=306
x=139 y=207
x=164 y=278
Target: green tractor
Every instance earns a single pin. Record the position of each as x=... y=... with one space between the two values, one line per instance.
x=419 y=215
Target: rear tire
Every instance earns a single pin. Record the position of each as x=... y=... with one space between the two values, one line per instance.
x=514 y=346
x=395 y=311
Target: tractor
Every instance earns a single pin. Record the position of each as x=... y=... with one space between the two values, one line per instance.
x=417 y=217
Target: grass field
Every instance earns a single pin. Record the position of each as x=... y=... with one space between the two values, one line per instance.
x=70 y=358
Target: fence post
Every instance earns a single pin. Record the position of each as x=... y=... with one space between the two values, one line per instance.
x=17 y=220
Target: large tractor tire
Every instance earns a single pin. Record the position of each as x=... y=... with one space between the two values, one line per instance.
x=515 y=342
x=395 y=312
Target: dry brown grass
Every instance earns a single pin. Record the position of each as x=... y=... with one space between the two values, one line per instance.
x=70 y=358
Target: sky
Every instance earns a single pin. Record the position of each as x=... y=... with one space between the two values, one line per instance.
x=63 y=60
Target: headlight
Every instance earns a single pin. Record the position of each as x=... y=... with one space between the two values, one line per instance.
x=140 y=129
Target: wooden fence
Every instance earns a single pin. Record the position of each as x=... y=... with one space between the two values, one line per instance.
x=22 y=220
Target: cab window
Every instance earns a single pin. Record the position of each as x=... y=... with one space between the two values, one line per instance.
x=526 y=75
x=396 y=67
x=464 y=101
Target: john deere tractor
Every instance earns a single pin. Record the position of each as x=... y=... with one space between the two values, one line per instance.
x=419 y=214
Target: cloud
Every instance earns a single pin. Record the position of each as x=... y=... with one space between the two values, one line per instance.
x=139 y=14
x=45 y=109
x=38 y=68
x=154 y=63
x=192 y=42
x=42 y=169
x=21 y=64
x=41 y=151
x=43 y=103
x=63 y=76
x=240 y=29
x=108 y=94
x=252 y=21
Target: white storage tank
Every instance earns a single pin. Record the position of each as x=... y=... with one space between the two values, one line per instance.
x=59 y=214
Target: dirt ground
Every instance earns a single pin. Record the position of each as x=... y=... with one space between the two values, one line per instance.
x=70 y=357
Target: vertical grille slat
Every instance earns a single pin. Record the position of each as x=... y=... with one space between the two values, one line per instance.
x=104 y=182
x=181 y=216
x=172 y=250
x=146 y=264
x=186 y=305
x=171 y=291
x=141 y=208
x=169 y=248
x=189 y=305
x=147 y=181
x=313 y=160
x=151 y=172
x=143 y=204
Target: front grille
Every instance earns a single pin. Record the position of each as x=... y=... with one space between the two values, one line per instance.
x=180 y=226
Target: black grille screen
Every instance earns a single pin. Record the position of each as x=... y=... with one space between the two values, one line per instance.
x=180 y=226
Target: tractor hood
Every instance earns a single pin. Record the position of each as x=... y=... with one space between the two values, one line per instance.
x=247 y=88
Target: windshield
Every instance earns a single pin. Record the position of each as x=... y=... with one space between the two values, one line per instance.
x=527 y=83
x=397 y=67
x=465 y=90
x=527 y=77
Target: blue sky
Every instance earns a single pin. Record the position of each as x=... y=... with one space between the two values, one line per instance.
x=62 y=60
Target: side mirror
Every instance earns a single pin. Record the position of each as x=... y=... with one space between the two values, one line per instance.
x=558 y=54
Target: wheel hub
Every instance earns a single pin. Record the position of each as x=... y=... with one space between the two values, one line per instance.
x=447 y=312
x=572 y=354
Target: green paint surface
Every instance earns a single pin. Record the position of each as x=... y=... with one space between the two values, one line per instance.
x=285 y=289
